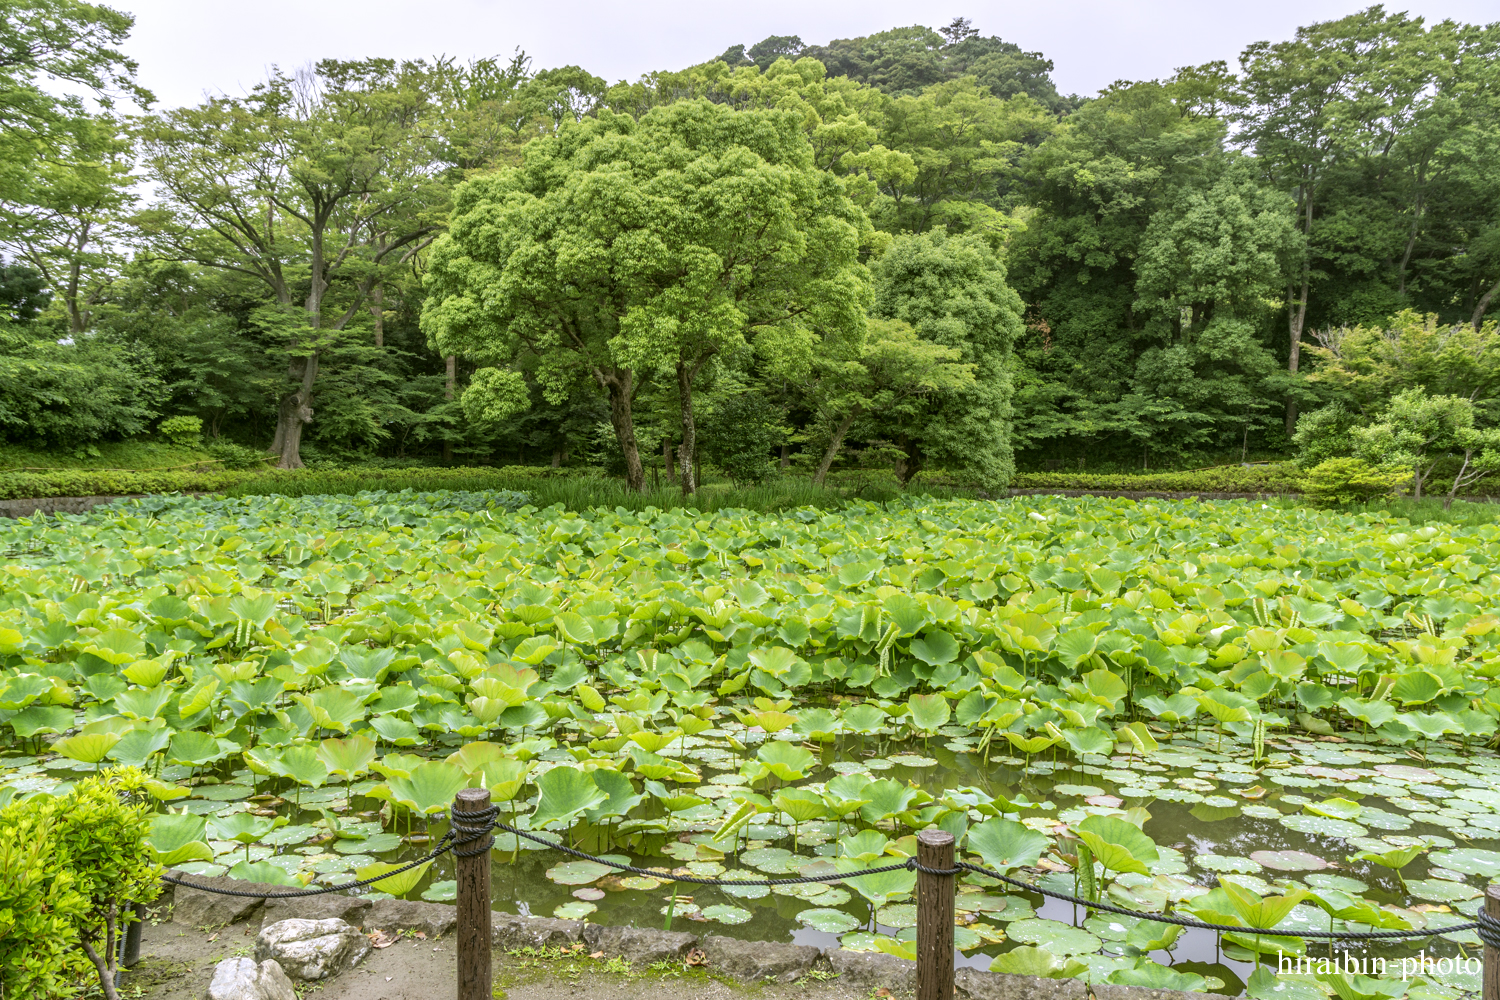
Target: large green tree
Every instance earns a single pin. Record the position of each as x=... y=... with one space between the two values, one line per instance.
x=632 y=250
x=952 y=291
x=316 y=185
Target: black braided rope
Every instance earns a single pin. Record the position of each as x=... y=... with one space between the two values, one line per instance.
x=473 y=827
x=448 y=842
x=665 y=876
x=1487 y=926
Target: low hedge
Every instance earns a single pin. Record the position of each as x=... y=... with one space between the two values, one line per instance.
x=1282 y=477
x=260 y=482
x=108 y=482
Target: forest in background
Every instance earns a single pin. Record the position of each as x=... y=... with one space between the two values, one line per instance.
x=1165 y=274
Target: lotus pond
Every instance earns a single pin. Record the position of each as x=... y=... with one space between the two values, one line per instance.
x=1277 y=719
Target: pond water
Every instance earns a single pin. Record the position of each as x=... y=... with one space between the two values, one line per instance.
x=1294 y=822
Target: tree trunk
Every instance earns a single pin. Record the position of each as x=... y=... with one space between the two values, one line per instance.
x=621 y=386
x=377 y=311
x=834 y=444
x=105 y=964
x=786 y=456
x=1483 y=305
x=557 y=458
x=666 y=461
x=449 y=390
x=1295 y=319
x=689 y=450
x=295 y=413
x=909 y=464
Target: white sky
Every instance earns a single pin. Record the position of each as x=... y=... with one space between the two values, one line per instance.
x=189 y=47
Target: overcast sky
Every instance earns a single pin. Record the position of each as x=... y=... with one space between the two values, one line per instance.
x=189 y=47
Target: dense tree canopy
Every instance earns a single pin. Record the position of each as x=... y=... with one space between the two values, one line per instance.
x=904 y=248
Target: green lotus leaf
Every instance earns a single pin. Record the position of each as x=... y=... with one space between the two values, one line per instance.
x=1118 y=845
x=887 y=798
x=785 y=760
x=196 y=748
x=800 y=804
x=303 y=764
x=243 y=827
x=429 y=788
x=332 y=708
x=396 y=731
x=1159 y=977
x=1054 y=936
x=348 y=758
x=929 y=712
x=1006 y=845
x=878 y=889
x=38 y=719
x=263 y=872
x=827 y=920
x=935 y=648
x=396 y=885
x=1031 y=961
x=176 y=838
x=138 y=746
x=566 y=794
x=87 y=748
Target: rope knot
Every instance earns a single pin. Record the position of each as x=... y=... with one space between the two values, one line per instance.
x=1488 y=929
x=472 y=828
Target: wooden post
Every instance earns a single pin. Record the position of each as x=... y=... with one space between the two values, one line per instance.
x=475 y=977
x=132 y=942
x=935 y=917
x=1491 y=986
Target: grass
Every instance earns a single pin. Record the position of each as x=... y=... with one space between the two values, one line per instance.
x=1419 y=512
x=140 y=455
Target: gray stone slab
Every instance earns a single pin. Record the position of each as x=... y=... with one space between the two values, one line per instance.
x=756 y=961
x=508 y=930
x=396 y=916
x=333 y=905
x=197 y=908
x=867 y=970
x=639 y=945
x=977 y=984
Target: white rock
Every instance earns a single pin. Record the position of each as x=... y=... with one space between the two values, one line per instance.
x=243 y=979
x=312 y=949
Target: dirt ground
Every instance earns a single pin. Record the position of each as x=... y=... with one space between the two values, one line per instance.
x=177 y=963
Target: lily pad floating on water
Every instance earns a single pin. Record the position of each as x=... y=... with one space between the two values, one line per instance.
x=911 y=760
x=441 y=892
x=1470 y=861
x=576 y=910
x=725 y=914
x=578 y=872
x=1226 y=863
x=1054 y=936
x=1290 y=861
x=1440 y=891
x=1325 y=880
x=1323 y=826
x=897 y=915
x=828 y=920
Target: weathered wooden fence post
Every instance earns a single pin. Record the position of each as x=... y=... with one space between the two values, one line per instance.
x=131 y=945
x=1491 y=985
x=935 y=917
x=473 y=864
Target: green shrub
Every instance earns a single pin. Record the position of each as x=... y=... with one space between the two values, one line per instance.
x=236 y=456
x=1350 y=480
x=97 y=842
x=39 y=908
x=739 y=434
x=1278 y=478
x=106 y=482
x=181 y=431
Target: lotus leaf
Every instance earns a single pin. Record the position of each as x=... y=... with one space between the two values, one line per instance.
x=429 y=788
x=566 y=794
x=396 y=885
x=1006 y=845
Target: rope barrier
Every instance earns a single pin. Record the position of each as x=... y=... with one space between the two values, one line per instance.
x=474 y=827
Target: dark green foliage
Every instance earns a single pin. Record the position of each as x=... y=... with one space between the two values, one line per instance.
x=1275 y=478
x=65 y=394
x=23 y=292
x=739 y=434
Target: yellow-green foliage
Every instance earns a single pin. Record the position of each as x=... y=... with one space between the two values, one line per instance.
x=92 y=867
